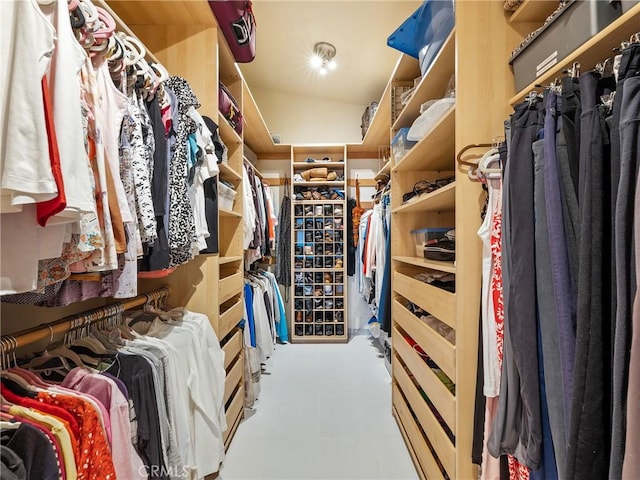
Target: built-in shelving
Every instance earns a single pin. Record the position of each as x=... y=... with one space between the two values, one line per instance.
x=319 y=248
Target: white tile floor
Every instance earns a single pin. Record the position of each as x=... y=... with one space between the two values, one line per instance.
x=324 y=412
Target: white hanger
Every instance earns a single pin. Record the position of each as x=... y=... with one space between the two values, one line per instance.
x=489 y=158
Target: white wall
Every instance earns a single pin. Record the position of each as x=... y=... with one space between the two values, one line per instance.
x=301 y=119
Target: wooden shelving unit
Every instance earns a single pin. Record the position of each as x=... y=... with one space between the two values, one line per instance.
x=442 y=448
x=184 y=37
x=318 y=232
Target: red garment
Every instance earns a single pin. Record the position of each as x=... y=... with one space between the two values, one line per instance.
x=46 y=210
x=59 y=413
x=95 y=462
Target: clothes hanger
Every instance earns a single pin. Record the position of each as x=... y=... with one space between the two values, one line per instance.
x=489 y=158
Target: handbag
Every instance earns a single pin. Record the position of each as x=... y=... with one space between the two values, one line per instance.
x=238 y=24
x=229 y=108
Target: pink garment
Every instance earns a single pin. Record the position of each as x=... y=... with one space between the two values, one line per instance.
x=101 y=411
x=126 y=460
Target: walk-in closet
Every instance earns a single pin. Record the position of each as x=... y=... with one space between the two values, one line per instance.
x=264 y=239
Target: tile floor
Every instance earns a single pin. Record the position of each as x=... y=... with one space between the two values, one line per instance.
x=324 y=412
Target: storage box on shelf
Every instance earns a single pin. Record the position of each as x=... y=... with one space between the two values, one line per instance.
x=570 y=28
x=593 y=51
x=319 y=244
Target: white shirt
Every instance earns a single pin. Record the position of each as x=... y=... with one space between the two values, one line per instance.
x=64 y=85
x=26 y=46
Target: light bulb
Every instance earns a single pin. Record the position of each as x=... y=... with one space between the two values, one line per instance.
x=332 y=65
x=316 y=61
x=323 y=70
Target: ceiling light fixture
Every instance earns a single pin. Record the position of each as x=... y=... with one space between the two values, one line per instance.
x=322 y=57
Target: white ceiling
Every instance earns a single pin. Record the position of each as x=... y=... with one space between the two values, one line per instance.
x=287 y=30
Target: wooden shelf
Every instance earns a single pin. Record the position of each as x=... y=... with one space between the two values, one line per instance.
x=227 y=172
x=444 y=447
x=436 y=151
x=311 y=184
x=440 y=395
x=414 y=437
x=406 y=68
x=433 y=84
x=229 y=71
x=434 y=344
x=162 y=12
x=229 y=213
x=593 y=51
x=437 y=301
x=256 y=133
x=385 y=170
x=378 y=133
x=228 y=134
x=229 y=318
x=224 y=260
x=230 y=286
x=533 y=11
x=316 y=202
x=339 y=165
x=448 y=267
x=442 y=199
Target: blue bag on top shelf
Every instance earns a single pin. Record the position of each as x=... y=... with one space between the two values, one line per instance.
x=423 y=33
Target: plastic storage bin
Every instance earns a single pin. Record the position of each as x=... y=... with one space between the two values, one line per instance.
x=423 y=33
x=578 y=22
x=422 y=236
x=400 y=145
x=226 y=196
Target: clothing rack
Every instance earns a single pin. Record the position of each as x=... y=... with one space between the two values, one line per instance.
x=10 y=343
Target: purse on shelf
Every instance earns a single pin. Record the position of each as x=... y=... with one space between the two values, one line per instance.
x=229 y=108
x=238 y=24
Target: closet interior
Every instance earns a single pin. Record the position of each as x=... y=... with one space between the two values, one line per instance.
x=435 y=361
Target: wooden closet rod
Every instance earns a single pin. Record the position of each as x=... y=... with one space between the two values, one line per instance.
x=47 y=331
